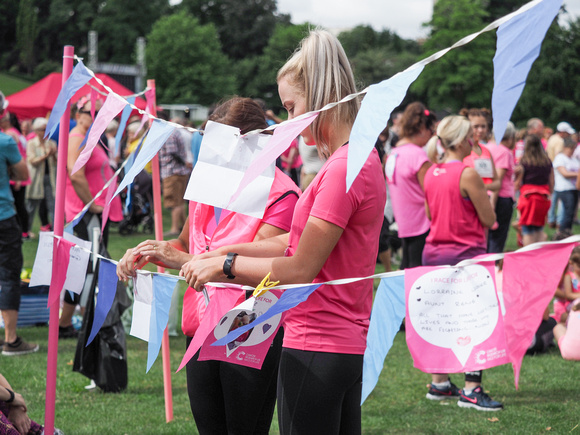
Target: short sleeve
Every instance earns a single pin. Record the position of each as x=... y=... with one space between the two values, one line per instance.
x=280 y=213
x=10 y=150
x=332 y=202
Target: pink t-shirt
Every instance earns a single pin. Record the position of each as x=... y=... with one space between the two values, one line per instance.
x=456 y=231
x=482 y=164
x=561 y=305
x=503 y=158
x=405 y=191
x=335 y=318
x=97 y=172
x=570 y=343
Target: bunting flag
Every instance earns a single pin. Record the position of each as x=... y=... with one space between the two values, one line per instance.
x=218 y=306
x=373 y=117
x=158 y=135
x=289 y=299
x=150 y=97
x=124 y=118
x=283 y=136
x=143 y=299
x=79 y=77
x=108 y=202
x=106 y=295
x=111 y=108
x=94 y=97
x=530 y=278
x=386 y=318
x=61 y=256
x=224 y=158
x=454 y=322
x=519 y=41
x=249 y=349
x=163 y=288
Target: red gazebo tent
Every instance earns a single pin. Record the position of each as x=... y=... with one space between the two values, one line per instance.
x=39 y=98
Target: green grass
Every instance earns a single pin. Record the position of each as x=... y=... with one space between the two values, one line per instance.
x=10 y=84
x=547 y=400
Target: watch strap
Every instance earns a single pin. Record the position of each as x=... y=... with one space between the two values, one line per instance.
x=228 y=263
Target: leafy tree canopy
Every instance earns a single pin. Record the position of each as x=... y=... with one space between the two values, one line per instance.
x=464 y=76
x=187 y=62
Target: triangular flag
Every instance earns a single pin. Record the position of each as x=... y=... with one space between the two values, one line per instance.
x=105 y=216
x=113 y=105
x=143 y=293
x=163 y=288
x=222 y=301
x=373 y=116
x=94 y=96
x=158 y=135
x=281 y=140
x=288 y=300
x=124 y=118
x=61 y=257
x=107 y=290
x=529 y=281
x=386 y=317
x=79 y=77
x=518 y=45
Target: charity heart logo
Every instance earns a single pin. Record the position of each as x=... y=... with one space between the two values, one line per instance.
x=463 y=341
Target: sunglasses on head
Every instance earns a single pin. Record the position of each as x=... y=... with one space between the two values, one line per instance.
x=88 y=112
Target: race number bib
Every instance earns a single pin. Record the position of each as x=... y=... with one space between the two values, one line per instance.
x=483 y=167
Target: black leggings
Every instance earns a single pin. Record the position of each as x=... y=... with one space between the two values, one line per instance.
x=319 y=393
x=413 y=250
x=20 y=205
x=227 y=398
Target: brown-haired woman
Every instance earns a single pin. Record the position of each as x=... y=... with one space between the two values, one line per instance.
x=535 y=181
x=224 y=398
x=405 y=169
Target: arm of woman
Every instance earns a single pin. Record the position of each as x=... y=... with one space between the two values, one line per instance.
x=551 y=181
x=171 y=254
x=427 y=211
x=472 y=187
x=31 y=156
x=569 y=290
x=495 y=185
x=316 y=243
x=566 y=173
x=78 y=179
x=421 y=173
x=519 y=171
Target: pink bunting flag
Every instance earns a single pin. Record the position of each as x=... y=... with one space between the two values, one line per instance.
x=150 y=97
x=110 y=192
x=61 y=257
x=530 y=279
x=222 y=301
x=94 y=97
x=283 y=137
x=113 y=105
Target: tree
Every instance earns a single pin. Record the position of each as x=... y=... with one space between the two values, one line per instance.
x=376 y=56
x=26 y=33
x=552 y=90
x=244 y=27
x=257 y=74
x=130 y=18
x=464 y=76
x=186 y=60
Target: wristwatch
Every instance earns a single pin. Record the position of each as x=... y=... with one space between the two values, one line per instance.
x=228 y=263
x=11 y=399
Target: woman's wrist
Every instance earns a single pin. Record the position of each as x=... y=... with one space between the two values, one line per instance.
x=11 y=396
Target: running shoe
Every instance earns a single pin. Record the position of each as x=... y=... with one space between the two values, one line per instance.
x=479 y=400
x=450 y=392
x=19 y=347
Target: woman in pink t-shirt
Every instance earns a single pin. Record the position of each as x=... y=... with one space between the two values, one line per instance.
x=214 y=387
x=457 y=204
x=334 y=235
x=405 y=170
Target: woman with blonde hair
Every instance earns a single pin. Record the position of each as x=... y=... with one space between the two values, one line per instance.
x=456 y=202
x=334 y=235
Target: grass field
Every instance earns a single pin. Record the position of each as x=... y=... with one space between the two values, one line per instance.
x=547 y=400
x=10 y=84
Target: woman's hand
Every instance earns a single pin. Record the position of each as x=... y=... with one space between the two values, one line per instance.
x=127 y=265
x=199 y=271
x=162 y=253
x=19 y=418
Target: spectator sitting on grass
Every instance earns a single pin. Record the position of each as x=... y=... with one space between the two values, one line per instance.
x=567 y=333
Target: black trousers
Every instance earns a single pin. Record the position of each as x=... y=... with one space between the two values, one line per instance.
x=232 y=399
x=319 y=393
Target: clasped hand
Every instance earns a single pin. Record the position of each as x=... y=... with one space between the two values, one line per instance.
x=202 y=269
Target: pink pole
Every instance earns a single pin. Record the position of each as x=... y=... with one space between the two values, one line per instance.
x=159 y=236
x=61 y=174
